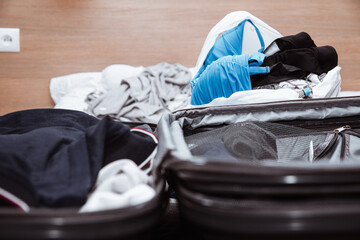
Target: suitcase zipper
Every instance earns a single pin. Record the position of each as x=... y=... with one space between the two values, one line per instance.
x=346 y=142
x=330 y=141
x=342 y=129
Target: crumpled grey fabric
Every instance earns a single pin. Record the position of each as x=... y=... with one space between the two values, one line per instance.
x=144 y=98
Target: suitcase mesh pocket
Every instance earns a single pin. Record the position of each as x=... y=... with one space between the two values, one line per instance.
x=265 y=141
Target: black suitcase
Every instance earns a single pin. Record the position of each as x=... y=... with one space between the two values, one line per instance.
x=306 y=190
x=133 y=222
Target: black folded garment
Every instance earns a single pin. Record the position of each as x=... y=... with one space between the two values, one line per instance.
x=296 y=64
x=316 y=60
x=51 y=157
x=295 y=57
x=300 y=40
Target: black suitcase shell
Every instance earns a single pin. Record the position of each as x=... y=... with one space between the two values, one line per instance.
x=136 y=222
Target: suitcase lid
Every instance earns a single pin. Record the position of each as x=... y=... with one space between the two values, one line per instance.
x=216 y=176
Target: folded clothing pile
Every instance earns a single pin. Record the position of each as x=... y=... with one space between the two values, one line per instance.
x=286 y=58
x=295 y=57
x=52 y=157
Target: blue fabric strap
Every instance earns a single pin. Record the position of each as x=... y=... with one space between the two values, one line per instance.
x=307 y=91
x=231 y=43
x=255 y=60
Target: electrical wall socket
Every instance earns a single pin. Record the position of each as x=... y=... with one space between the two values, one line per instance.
x=9 y=40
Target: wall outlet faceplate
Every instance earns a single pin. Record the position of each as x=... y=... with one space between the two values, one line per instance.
x=9 y=40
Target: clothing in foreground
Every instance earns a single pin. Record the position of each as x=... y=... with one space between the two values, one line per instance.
x=119 y=184
x=51 y=157
x=145 y=97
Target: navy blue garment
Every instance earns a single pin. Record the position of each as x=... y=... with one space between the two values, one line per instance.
x=51 y=157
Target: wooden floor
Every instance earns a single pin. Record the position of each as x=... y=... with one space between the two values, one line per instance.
x=60 y=37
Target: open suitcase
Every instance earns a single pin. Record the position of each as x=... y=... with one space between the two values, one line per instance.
x=132 y=221
x=227 y=197
x=306 y=184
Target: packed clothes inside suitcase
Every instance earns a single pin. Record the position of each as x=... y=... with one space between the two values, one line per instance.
x=253 y=141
